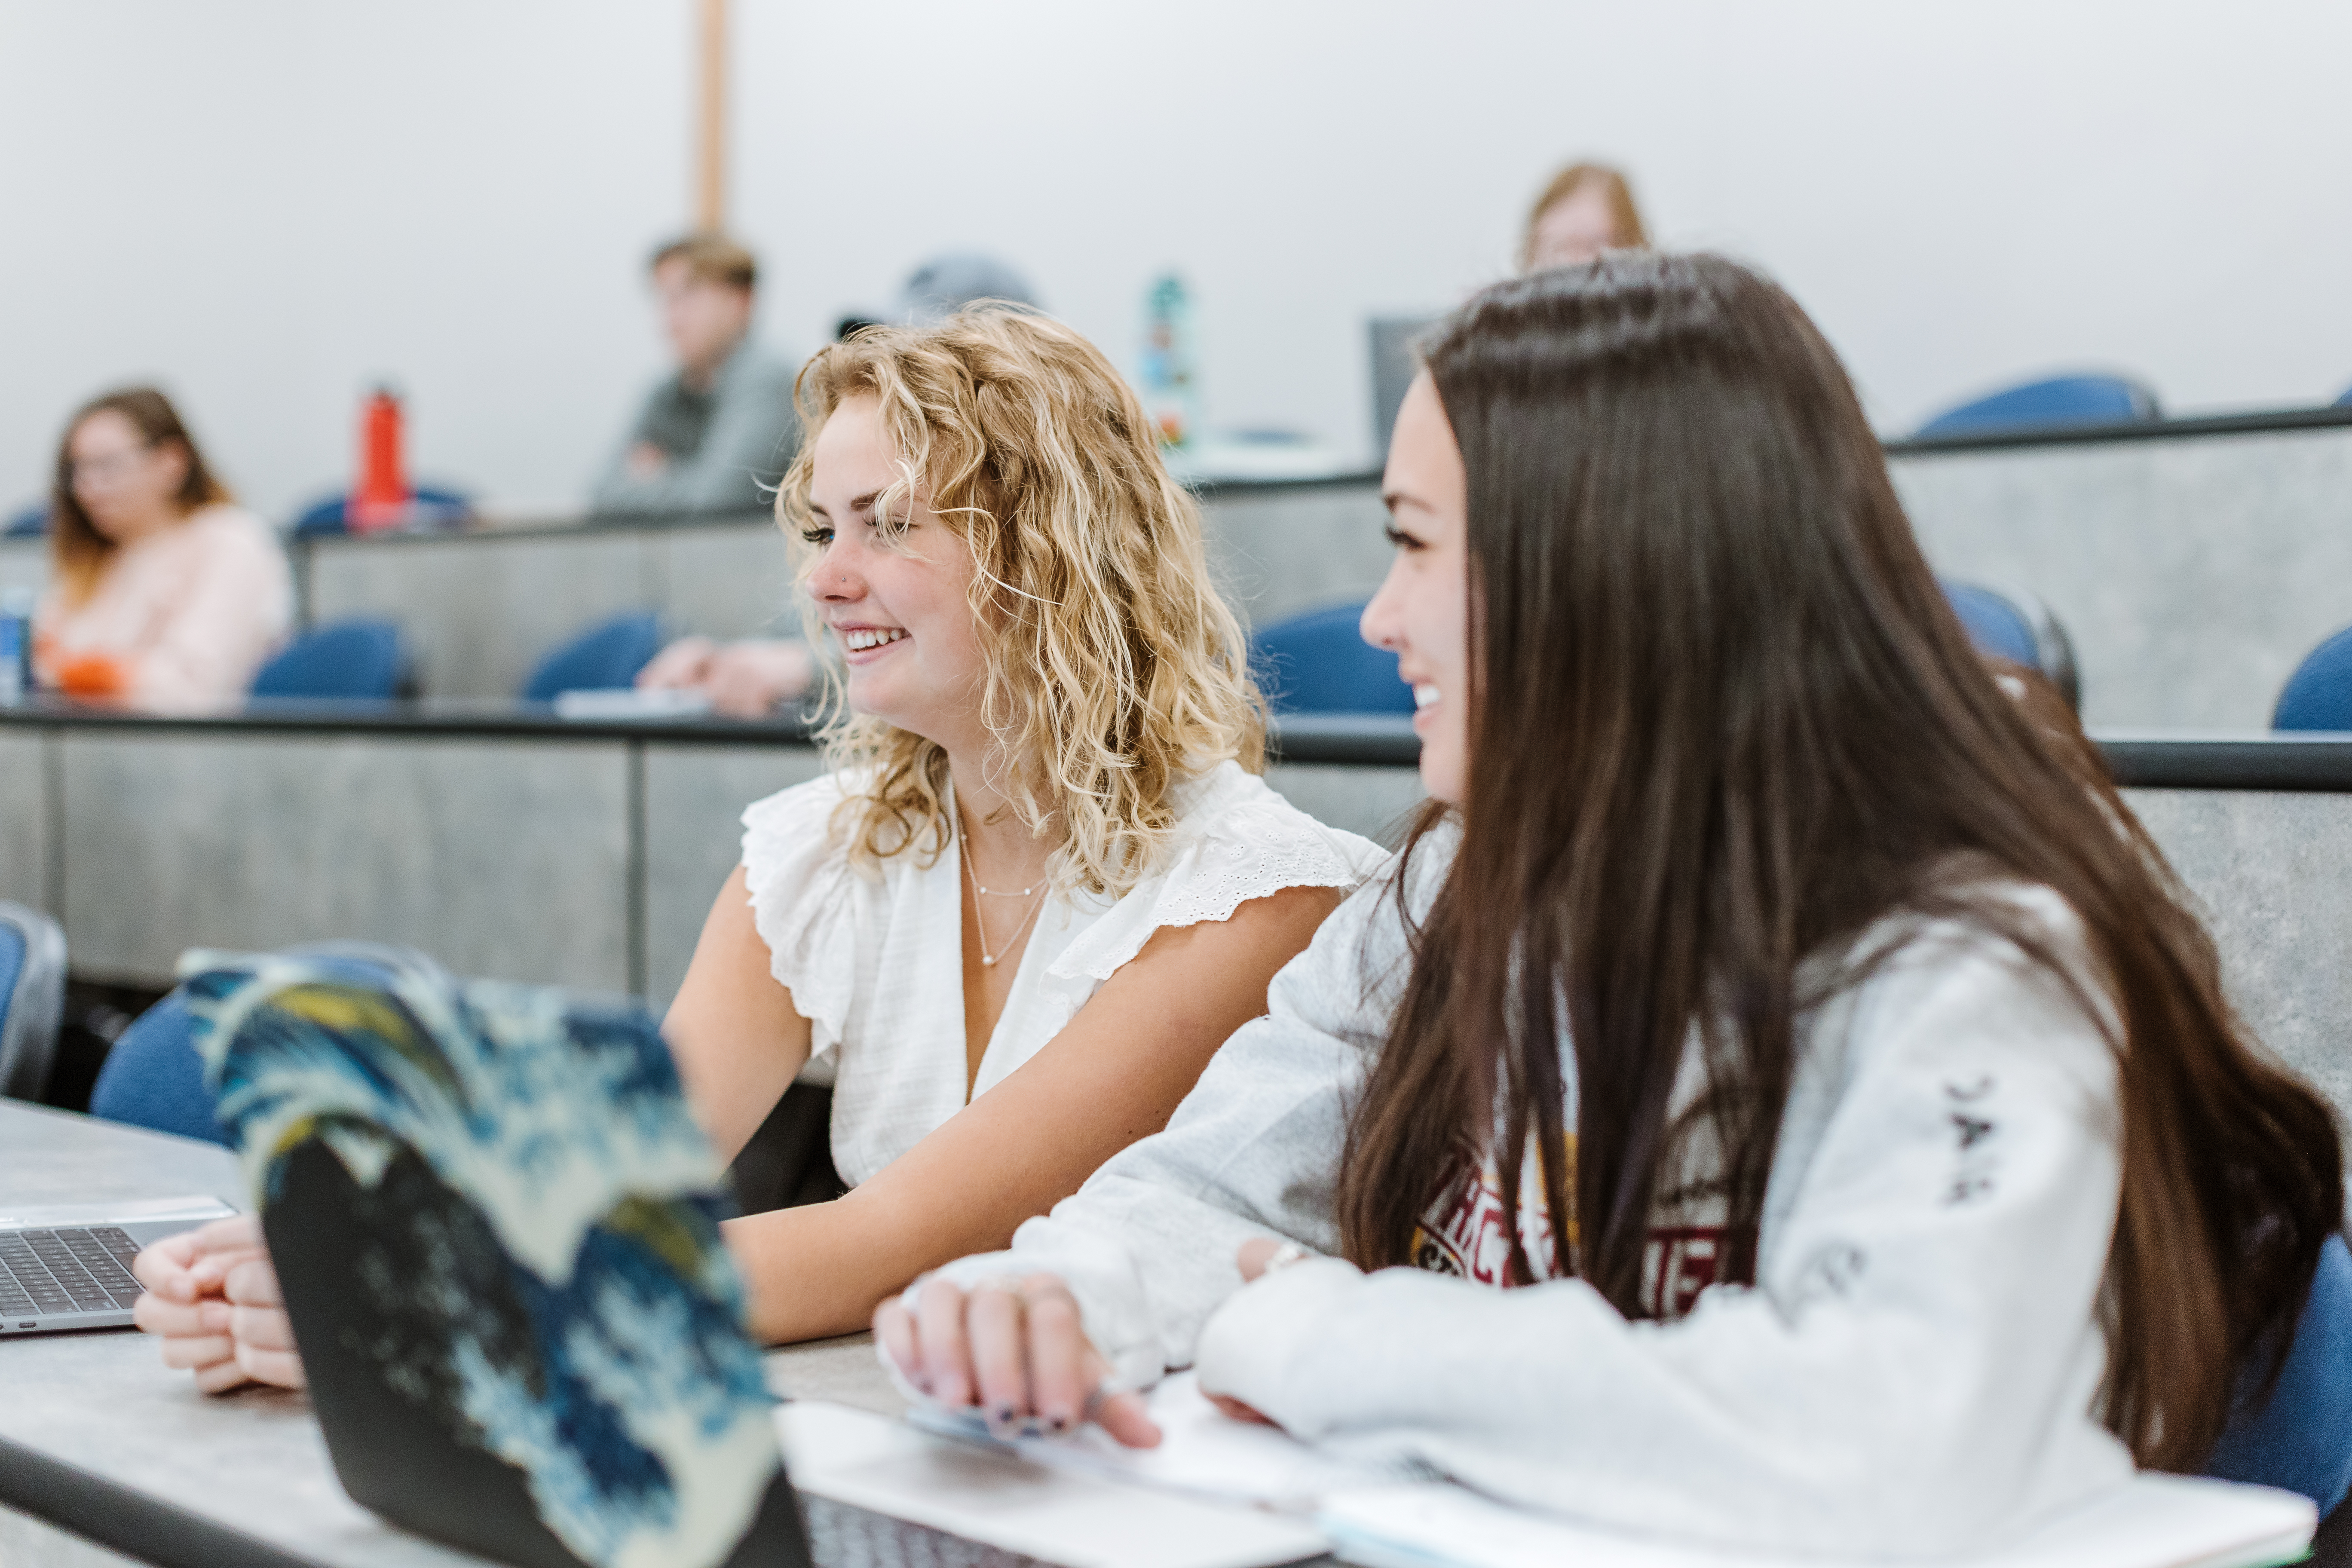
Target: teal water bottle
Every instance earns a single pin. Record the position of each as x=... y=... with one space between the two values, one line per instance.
x=1171 y=389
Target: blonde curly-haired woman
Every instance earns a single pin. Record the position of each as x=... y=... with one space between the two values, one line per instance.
x=1043 y=882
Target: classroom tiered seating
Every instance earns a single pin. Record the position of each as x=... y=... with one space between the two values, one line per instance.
x=605 y=657
x=2013 y=625
x=152 y=1077
x=2318 y=695
x=1319 y=663
x=32 y=995
x=352 y=660
x=430 y=507
x=2059 y=400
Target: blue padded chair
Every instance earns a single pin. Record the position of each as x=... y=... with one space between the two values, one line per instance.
x=2038 y=405
x=598 y=660
x=350 y=660
x=2017 y=626
x=32 y=996
x=29 y=524
x=1319 y=663
x=2345 y=401
x=434 y=509
x=2318 y=695
x=2300 y=1438
x=152 y=1077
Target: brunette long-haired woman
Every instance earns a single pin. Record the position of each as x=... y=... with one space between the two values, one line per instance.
x=1805 y=1017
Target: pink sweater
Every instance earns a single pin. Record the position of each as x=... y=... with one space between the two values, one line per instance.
x=179 y=621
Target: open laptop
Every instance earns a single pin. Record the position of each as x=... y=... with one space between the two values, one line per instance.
x=67 y=1266
x=497 y=1229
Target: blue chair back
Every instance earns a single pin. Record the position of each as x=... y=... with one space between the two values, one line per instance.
x=358 y=660
x=152 y=1077
x=2018 y=627
x=1320 y=663
x=2300 y=1438
x=26 y=524
x=434 y=508
x=2345 y=400
x=2318 y=695
x=32 y=997
x=598 y=660
x=2061 y=400
x=1996 y=626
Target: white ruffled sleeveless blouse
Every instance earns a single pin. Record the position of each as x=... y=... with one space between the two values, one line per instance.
x=874 y=962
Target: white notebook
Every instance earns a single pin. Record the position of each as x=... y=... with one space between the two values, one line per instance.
x=982 y=1492
x=1385 y=1521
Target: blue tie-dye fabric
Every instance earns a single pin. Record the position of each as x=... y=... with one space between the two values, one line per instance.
x=635 y=1408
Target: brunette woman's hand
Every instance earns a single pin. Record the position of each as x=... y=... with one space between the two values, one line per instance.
x=1015 y=1349
x=1252 y=1259
x=212 y=1297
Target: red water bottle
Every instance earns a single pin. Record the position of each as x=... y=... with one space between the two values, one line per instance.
x=379 y=498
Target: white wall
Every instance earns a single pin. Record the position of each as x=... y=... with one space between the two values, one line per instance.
x=265 y=203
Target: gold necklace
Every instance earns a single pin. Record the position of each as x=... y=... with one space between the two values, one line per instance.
x=987 y=959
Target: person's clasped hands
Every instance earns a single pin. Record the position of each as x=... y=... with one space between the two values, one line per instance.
x=747 y=679
x=1017 y=1349
x=211 y=1295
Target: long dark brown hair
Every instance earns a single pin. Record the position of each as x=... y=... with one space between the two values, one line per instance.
x=78 y=550
x=1724 y=721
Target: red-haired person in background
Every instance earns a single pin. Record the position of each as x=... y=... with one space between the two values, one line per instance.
x=164 y=594
x=1585 y=209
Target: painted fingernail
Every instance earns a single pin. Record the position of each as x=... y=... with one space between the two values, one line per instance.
x=1058 y=1423
x=1004 y=1414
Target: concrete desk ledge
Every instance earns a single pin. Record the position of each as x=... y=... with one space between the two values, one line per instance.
x=1359 y=738
x=2103 y=432
x=498 y=838
x=515 y=844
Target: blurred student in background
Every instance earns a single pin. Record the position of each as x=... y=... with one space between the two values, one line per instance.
x=1586 y=208
x=708 y=435
x=164 y=594
x=752 y=677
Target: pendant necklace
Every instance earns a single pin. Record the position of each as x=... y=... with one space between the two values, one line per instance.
x=987 y=959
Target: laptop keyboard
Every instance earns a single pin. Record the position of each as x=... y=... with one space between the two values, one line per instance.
x=841 y=1536
x=66 y=1270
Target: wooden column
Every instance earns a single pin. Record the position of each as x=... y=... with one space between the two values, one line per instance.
x=710 y=161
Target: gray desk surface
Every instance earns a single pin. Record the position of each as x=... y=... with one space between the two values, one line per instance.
x=97 y=1437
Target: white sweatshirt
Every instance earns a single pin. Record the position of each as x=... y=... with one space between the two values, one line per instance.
x=1912 y=1375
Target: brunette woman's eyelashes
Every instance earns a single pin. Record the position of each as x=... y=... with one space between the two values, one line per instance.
x=1402 y=540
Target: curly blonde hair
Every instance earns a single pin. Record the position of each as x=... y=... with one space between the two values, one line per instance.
x=1115 y=669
